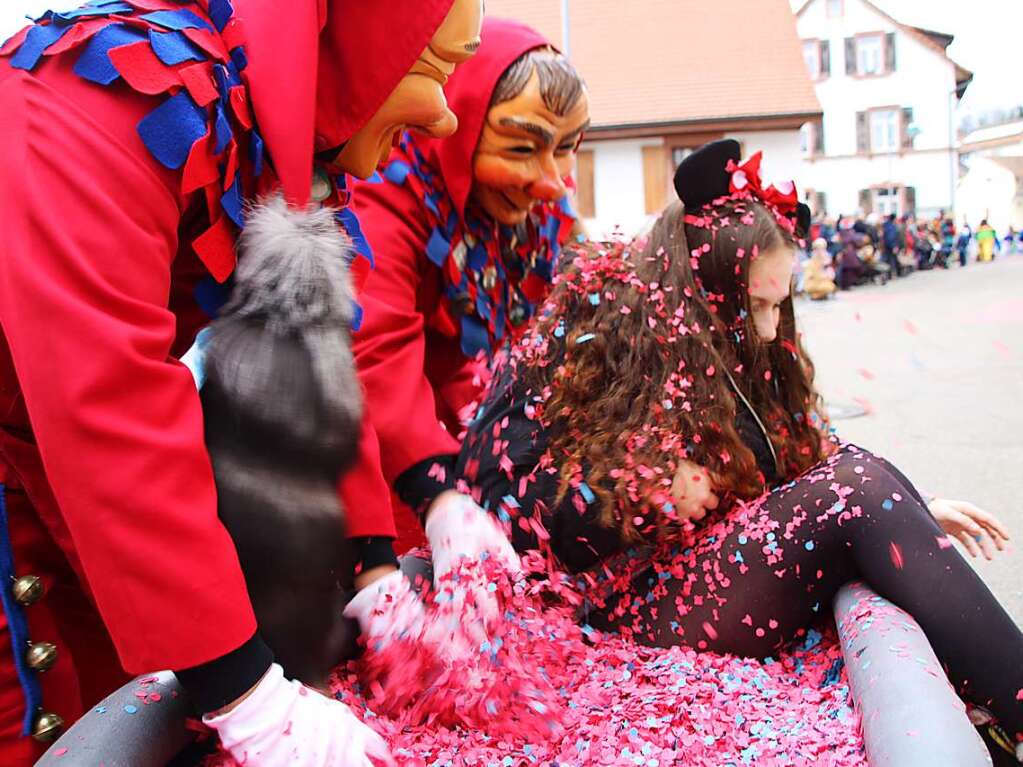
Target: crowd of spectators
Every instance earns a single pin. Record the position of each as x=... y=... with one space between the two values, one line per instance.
x=849 y=251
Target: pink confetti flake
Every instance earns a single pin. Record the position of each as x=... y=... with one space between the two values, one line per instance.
x=895 y=551
x=540 y=689
x=866 y=374
x=910 y=327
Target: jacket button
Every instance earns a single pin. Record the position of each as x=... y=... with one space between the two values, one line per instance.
x=28 y=589
x=47 y=727
x=41 y=656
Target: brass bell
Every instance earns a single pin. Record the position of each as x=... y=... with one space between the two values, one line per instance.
x=41 y=655
x=28 y=589
x=47 y=727
x=321 y=186
x=489 y=278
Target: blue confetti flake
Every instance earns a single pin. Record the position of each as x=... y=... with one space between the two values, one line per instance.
x=474 y=336
x=173 y=48
x=170 y=130
x=350 y=222
x=211 y=295
x=220 y=13
x=183 y=19
x=231 y=201
x=397 y=171
x=256 y=152
x=223 y=128
x=437 y=248
x=95 y=9
x=887 y=504
x=38 y=39
x=586 y=493
x=238 y=58
x=94 y=64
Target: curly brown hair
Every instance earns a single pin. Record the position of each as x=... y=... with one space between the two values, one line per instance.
x=725 y=239
x=628 y=382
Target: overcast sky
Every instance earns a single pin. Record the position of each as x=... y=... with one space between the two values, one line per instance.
x=989 y=34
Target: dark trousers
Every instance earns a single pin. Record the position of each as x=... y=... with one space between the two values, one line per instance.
x=892 y=259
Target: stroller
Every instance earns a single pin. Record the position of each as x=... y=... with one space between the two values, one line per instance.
x=875 y=271
x=927 y=256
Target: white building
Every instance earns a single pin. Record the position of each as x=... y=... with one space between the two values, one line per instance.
x=887 y=141
x=992 y=187
x=666 y=76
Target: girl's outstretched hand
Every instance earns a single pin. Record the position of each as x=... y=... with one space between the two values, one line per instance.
x=979 y=531
x=693 y=491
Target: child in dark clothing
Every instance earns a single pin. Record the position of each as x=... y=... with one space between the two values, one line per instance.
x=659 y=428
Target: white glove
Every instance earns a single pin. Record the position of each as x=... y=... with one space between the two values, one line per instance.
x=457 y=528
x=387 y=609
x=283 y=723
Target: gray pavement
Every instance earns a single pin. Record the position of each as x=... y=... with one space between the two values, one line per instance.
x=937 y=360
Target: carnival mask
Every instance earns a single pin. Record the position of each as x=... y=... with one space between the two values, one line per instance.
x=525 y=153
x=418 y=102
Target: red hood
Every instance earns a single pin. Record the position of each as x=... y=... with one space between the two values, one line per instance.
x=325 y=66
x=468 y=92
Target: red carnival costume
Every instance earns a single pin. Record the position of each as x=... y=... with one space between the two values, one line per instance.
x=129 y=141
x=448 y=284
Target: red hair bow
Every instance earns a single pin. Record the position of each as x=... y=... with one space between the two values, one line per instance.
x=746 y=178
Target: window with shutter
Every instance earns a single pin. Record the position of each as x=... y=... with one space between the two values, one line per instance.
x=655 y=177
x=910 y=193
x=886 y=200
x=884 y=130
x=889 y=52
x=584 y=195
x=862 y=132
x=818 y=138
x=907 y=134
x=825 y=58
x=822 y=203
x=850 y=55
x=869 y=55
x=811 y=57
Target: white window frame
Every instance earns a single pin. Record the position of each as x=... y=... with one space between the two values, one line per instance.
x=679 y=153
x=812 y=58
x=870 y=51
x=883 y=125
x=888 y=200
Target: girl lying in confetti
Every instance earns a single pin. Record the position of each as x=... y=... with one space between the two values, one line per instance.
x=657 y=431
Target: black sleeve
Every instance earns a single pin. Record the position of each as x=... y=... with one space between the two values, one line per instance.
x=213 y=685
x=373 y=551
x=419 y=484
x=501 y=459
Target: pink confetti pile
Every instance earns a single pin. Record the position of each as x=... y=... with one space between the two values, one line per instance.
x=541 y=690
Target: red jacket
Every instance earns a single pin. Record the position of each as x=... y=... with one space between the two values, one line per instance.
x=98 y=420
x=416 y=379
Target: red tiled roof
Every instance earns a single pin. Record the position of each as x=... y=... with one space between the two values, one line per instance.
x=653 y=62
